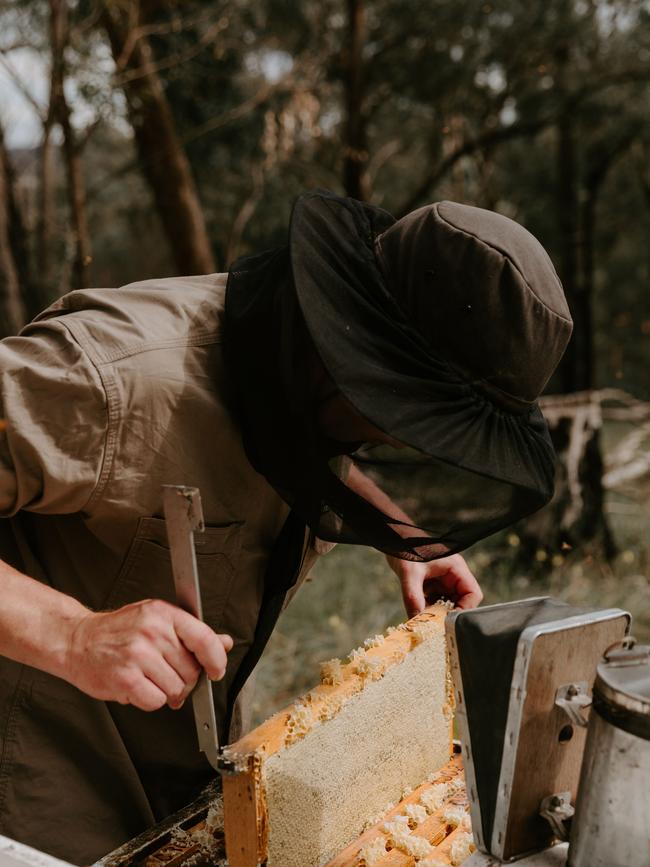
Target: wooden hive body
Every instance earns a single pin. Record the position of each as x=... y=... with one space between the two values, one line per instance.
x=436 y=812
x=303 y=785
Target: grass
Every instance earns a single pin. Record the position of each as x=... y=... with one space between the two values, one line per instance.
x=352 y=594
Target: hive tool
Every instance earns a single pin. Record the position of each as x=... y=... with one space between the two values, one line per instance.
x=183 y=518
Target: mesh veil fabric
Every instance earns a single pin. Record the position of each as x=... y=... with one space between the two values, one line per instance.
x=473 y=457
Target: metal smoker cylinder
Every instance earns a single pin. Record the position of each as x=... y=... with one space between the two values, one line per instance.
x=611 y=827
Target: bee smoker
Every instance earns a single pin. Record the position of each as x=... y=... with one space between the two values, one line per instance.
x=611 y=826
x=540 y=684
x=523 y=674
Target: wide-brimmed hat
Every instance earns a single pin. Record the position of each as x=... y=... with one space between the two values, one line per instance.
x=448 y=289
x=441 y=329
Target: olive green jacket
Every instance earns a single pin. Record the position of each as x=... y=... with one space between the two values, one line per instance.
x=108 y=395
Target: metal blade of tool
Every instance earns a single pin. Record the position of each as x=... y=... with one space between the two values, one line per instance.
x=183 y=518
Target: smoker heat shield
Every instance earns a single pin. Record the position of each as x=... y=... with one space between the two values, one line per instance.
x=516 y=666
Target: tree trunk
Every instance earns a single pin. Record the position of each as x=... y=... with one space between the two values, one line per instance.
x=572 y=374
x=577 y=515
x=162 y=157
x=45 y=211
x=76 y=202
x=12 y=311
x=71 y=150
x=585 y=294
x=245 y=214
x=591 y=522
x=18 y=237
x=355 y=145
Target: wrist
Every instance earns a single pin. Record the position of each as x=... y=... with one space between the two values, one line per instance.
x=62 y=653
x=398 y=565
x=36 y=621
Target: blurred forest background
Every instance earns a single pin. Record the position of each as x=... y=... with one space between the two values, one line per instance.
x=140 y=139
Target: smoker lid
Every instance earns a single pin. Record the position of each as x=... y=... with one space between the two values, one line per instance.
x=622 y=687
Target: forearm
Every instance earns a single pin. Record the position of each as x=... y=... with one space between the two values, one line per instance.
x=369 y=490
x=36 y=621
x=422 y=582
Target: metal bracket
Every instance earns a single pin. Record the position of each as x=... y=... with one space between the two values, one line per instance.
x=227 y=766
x=572 y=698
x=557 y=809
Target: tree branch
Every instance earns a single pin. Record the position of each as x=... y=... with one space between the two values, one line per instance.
x=486 y=139
x=176 y=59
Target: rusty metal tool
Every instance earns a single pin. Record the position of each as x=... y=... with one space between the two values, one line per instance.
x=184 y=517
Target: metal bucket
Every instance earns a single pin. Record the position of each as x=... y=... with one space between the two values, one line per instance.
x=611 y=826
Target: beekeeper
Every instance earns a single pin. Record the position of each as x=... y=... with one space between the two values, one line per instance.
x=373 y=382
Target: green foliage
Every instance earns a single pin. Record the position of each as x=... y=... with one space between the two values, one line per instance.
x=436 y=80
x=461 y=100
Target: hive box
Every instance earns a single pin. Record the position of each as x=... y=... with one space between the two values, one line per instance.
x=299 y=788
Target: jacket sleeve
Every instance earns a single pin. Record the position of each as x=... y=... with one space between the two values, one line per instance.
x=54 y=420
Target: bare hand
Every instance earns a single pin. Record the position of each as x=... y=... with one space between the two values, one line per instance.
x=147 y=654
x=424 y=583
